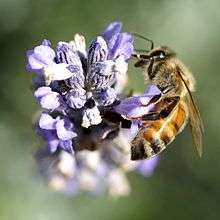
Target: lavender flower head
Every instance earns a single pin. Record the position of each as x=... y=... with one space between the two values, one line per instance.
x=85 y=121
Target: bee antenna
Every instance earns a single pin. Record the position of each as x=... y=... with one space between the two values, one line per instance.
x=145 y=38
x=142 y=51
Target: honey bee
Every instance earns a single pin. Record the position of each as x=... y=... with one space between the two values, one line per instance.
x=173 y=110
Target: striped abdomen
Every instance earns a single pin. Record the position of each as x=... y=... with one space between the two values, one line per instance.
x=154 y=136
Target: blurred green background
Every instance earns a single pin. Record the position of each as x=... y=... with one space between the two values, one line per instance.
x=183 y=186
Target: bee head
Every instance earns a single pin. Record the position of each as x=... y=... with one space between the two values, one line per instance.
x=161 y=53
x=155 y=55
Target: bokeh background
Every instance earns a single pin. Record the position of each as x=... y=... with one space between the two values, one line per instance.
x=183 y=186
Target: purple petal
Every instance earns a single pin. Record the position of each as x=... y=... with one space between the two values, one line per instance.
x=66 y=54
x=42 y=91
x=105 y=97
x=146 y=167
x=47 y=122
x=152 y=90
x=118 y=43
x=98 y=50
x=101 y=74
x=136 y=106
x=112 y=29
x=52 y=144
x=132 y=108
x=123 y=46
x=76 y=98
x=50 y=137
x=130 y=134
x=76 y=82
x=62 y=132
x=46 y=42
x=47 y=98
x=51 y=101
x=40 y=57
x=66 y=145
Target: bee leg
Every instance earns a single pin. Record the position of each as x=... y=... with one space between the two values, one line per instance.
x=138 y=153
x=150 y=69
x=166 y=89
x=162 y=109
x=143 y=59
x=141 y=63
x=141 y=149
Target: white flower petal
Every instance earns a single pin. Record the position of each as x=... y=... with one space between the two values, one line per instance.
x=66 y=164
x=87 y=180
x=91 y=117
x=56 y=72
x=79 y=44
x=118 y=184
x=121 y=68
x=90 y=159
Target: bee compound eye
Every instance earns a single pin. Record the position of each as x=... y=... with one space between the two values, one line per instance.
x=158 y=54
x=162 y=55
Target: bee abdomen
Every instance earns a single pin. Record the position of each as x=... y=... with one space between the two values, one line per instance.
x=156 y=135
x=147 y=143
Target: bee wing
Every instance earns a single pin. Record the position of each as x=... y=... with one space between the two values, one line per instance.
x=195 y=119
x=162 y=109
x=196 y=124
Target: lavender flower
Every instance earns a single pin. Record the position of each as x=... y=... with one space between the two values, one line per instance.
x=95 y=171
x=58 y=132
x=86 y=122
x=77 y=83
